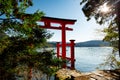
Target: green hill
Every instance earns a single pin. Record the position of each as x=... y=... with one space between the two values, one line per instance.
x=92 y=43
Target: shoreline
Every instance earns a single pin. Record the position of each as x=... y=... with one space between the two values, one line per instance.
x=67 y=74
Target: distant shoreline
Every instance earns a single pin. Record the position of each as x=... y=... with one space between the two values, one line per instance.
x=92 y=43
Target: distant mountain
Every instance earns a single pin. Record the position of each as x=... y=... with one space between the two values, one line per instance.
x=92 y=43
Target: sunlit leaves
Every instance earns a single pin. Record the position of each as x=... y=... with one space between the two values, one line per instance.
x=92 y=8
x=110 y=15
x=112 y=35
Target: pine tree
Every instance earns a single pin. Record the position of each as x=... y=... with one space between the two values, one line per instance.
x=20 y=37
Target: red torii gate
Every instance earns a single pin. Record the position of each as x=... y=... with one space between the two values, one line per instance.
x=63 y=22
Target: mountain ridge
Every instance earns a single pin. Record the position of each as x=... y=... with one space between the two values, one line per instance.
x=91 y=43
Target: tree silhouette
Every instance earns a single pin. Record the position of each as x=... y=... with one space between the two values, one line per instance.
x=92 y=8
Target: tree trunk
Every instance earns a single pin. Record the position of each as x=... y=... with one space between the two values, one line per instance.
x=30 y=73
x=118 y=21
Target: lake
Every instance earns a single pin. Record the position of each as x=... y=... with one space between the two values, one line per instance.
x=89 y=58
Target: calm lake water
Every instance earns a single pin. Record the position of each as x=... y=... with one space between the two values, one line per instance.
x=89 y=58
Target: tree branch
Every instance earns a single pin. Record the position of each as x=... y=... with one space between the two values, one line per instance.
x=7 y=19
x=1 y=14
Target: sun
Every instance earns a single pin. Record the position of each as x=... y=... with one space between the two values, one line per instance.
x=104 y=8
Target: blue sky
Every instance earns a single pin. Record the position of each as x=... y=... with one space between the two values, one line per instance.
x=68 y=9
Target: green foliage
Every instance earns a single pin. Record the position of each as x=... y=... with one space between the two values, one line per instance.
x=112 y=17
x=112 y=61
x=112 y=35
x=14 y=7
x=20 y=36
x=92 y=9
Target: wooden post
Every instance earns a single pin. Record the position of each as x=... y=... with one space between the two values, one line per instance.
x=63 y=42
x=72 y=54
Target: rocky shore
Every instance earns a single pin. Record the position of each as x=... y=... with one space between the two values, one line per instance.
x=67 y=74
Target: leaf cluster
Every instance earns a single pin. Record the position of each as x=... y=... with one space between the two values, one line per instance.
x=91 y=9
x=20 y=36
x=11 y=8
